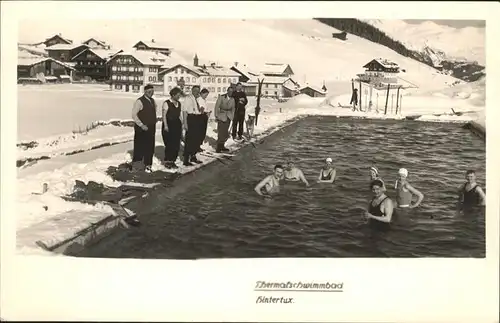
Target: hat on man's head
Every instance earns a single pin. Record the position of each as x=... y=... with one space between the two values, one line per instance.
x=147 y=87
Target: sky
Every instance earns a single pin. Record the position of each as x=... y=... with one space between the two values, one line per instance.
x=451 y=23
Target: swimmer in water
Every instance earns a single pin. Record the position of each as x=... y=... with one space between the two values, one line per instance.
x=328 y=172
x=271 y=184
x=375 y=175
x=405 y=192
x=470 y=193
x=293 y=174
x=381 y=207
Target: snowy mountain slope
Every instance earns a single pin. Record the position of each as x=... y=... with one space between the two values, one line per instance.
x=305 y=44
x=446 y=43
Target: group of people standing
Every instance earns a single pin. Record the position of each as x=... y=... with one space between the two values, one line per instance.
x=185 y=118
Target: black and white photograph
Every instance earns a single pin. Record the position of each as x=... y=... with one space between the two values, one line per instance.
x=251 y=138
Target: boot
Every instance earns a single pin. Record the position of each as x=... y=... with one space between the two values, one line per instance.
x=186 y=161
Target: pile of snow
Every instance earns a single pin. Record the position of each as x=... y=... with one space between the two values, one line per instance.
x=304 y=99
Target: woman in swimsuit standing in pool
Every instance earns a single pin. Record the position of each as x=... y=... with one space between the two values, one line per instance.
x=294 y=174
x=328 y=172
x=271 y=184
x=405 y=192
x=470 y=193
x=381 y=208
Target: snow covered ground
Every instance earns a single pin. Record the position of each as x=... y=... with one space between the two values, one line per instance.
x=49 y=114
x=61 y=172
x=456 y=43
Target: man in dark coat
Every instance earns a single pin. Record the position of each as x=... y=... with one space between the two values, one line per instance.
x=354 y=99
x=144 y=116
x=241 y=101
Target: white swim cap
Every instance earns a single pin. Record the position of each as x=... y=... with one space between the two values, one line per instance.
x=329 y=160
x=373 y=168
x=403 y=171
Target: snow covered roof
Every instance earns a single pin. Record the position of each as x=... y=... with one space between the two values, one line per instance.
x=146 y=57
x=100 y=42
x=25 y=61
x=37 y=50
x=153 y=44
x=102 y=53
x=208 y=71
x=244 y=70
x=312 y=87
x=384 y=62
x=274 y=68
x=275 y=79
x=67 y=40
x=64 y=46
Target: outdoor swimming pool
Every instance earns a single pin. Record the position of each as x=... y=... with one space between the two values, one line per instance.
x=222 y=217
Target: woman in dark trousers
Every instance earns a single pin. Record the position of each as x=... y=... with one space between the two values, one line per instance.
x=172 y=127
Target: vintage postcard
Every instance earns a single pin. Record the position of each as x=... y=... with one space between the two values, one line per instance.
x=229 y=161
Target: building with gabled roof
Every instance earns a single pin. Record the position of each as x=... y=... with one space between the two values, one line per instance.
x=42 y=70
x=154 y=46
x=96 y=44
x=64 y=52
x=312 y=91
x=277 y=69
x=57 y=39
x=212 y=77
x=92 y=64
x=132 y=70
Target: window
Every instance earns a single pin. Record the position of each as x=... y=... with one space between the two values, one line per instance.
x=235 y=80
x=150 y=78
x=176 y=71
x=265 y=92
x=224 y=80
x=113 y=68
x=175 y=78
x=182 y=71
x=152 y=69
x=154 y=78
x=187 y=79
x=213 y=79
x=194 y=79
x=118 y=86
x=170 y=78
x=113 y=77
x=204 y=80
x=131 y=69
x=275 y=86
x=218 y=80
x=218 y=90
x=276 y=93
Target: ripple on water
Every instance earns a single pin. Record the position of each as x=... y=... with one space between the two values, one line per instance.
x=325 y=220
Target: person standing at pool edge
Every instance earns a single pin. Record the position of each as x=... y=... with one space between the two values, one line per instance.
x=240 y=99
x=470 y=193
x=144 y=116
x=224 y=113
x=172 y=127
x=205 y=115
x=271 y=184
x=381 y=207
x=405 y=192
x=192 y=126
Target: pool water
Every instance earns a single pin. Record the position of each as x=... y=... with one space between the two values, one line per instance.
x=223 y=217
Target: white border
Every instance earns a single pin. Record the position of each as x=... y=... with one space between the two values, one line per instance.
x=409 y=290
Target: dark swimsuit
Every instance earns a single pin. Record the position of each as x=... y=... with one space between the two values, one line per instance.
x=328 y=177
x=471 y=197
x=375 y=210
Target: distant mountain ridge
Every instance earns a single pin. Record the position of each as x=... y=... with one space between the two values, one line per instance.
x=463 y=62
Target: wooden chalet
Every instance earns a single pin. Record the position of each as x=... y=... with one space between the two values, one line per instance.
x=57 y=40
x=64 y=52
x=91 y=64
x=96 y=44
x=43 y=70
x=153 y=46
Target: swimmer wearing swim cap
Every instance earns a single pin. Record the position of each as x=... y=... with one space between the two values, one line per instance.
x=405 y=192
x=374 y=175
x=328 y=173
